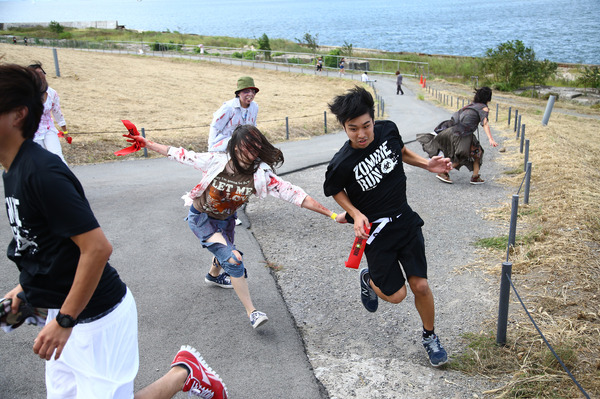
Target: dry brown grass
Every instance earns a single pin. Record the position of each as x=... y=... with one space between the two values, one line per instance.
x=172 y=99
x=558 y=272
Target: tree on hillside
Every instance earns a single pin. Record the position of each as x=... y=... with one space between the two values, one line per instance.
x=540 y=72
x=347 y=49
x=512 y=64
x=310 y=41
x=332 y=60
x=263 y=44
x=56 y=27
x=509 y=63
x=590 y=77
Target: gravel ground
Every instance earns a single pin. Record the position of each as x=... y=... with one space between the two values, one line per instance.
x=357 y=354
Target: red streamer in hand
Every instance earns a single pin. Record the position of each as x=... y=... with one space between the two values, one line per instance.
x=62 y=134
x=132 y=132
x=356 y=253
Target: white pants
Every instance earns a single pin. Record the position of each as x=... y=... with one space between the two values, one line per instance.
x=51 y=142
x=100 y=359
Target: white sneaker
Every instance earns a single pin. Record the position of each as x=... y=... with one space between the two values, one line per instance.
x=258 y=318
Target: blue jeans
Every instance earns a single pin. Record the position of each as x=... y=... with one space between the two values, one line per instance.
x=204 y=227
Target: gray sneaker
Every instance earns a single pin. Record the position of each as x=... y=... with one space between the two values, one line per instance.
x=258 y=318
x=222 y=280
x=435 y=350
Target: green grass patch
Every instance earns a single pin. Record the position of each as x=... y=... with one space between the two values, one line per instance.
x=481 y=355
x=515 y=171
x=498 y=243
x=501 y=243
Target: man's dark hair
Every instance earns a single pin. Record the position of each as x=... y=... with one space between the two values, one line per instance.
x=21 y=87
x=356 y=102
x=249 y=139
x=483 y=95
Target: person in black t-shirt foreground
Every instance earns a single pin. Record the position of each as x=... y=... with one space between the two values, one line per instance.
x=366 y=178
x=90 y=339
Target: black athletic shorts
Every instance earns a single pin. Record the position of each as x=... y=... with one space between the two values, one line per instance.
x=396 y=248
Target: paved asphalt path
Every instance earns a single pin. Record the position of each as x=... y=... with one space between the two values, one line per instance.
x=138 y=205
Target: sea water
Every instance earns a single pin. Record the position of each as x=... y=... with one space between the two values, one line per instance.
x=558 y=30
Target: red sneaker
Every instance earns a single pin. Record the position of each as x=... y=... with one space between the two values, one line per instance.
x=445 y=177
x=202 y=380
x=476 y=179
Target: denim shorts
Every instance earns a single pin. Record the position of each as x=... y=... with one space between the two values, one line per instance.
x=203 y=226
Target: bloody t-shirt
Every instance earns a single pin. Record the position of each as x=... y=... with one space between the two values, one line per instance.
x=226 y=193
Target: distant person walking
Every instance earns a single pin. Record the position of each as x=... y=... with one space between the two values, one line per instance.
x=399 y=83
x=320 y=64
x=342 y=66
x=14 y=40
x=25 y=40
x=47 y=134
x=241 y=110
x=228 y=181
x=456 y=138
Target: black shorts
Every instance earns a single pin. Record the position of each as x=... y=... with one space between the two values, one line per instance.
x=396 y=248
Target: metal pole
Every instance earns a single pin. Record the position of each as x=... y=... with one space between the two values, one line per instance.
x=496 y=112
x=325 y=120
x=145 y=149
x=503 y=303
x=56 y=62
x=287 y=128
x=522 y=139
x=513 y=220
x=527 y=183
x=526 y=158
x=509 y=109
x=516 y=119
x=382 y=106
x=519 y=128
x=548 y=110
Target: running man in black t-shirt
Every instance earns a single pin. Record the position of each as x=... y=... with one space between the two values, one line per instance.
x=366 y=177
x=62 y=256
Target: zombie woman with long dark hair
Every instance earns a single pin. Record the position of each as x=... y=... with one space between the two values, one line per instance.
x=228 y=180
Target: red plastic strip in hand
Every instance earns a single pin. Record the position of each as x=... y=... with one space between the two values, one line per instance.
x=356 y=253
x=131 y=127
x=132 y=132
x=127 y=150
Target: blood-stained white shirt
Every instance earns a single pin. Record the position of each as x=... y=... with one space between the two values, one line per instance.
x=226 y=119
x=51 y=108
x=210 y=164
